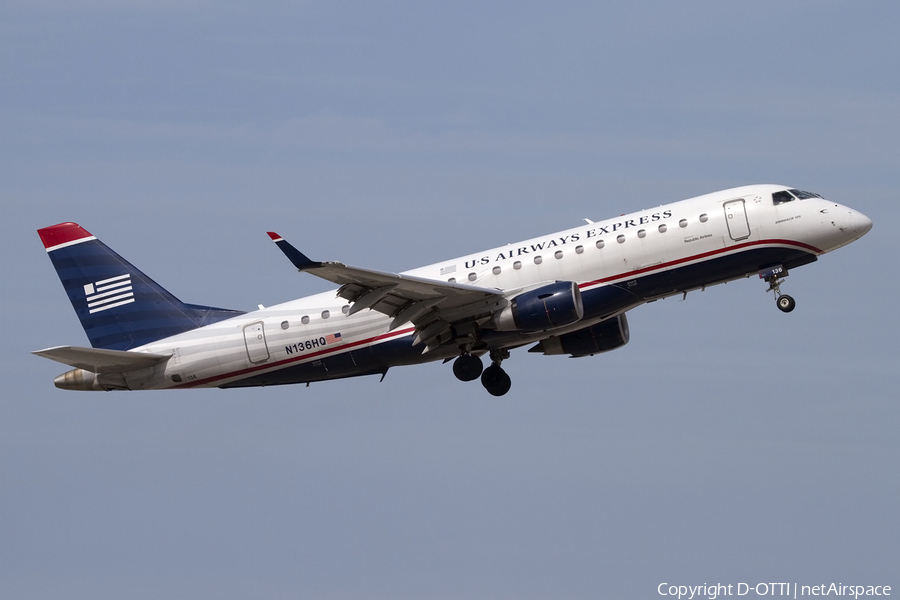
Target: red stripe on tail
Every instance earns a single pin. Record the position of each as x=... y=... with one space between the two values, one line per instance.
x=62 y=234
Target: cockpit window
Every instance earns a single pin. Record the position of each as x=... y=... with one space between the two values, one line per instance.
x=804 y=195
x=781 y=198
x=791 y=195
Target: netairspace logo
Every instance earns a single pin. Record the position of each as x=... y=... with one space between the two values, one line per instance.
x=771 y=589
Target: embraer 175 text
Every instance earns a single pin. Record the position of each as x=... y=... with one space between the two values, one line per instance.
x=564 y=293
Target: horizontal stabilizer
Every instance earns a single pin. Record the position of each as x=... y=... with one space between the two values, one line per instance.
x=98 y=360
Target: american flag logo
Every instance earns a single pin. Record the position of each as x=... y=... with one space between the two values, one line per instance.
x=109 y=293
x=333 y=338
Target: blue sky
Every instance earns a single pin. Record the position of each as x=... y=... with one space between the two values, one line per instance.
x=727 y=442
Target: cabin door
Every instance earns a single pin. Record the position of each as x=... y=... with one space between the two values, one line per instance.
x=736 y=217
x=255 y=340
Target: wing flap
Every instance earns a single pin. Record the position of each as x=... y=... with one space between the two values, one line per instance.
x=405 y=286
x=98 y=360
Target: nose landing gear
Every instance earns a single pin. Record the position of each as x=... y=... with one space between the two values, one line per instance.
x=775 y=277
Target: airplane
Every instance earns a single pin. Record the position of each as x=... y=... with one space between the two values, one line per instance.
x=565 y=293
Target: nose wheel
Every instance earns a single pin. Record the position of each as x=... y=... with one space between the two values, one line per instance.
x=775 y=277
x=785 y=303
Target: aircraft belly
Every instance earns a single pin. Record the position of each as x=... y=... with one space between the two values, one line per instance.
x=715 y=270
x=366 y=360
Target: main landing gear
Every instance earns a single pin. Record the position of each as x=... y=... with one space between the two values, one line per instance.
x=775 y=277
x=467 y=367
x=494 y=379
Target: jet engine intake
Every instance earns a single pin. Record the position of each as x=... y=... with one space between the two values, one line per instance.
x=547 y=307
x=604 y=336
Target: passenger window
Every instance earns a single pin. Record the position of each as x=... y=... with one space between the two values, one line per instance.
x=642 y=233
x=325 y=314
x=704 y=218
x=579 y=249
x=663 y=228
x=517 y=265
x=682 y=223
x=538 y=260
x=345 y=309
x=496 y=271
x=472 y=276
x=305 y=320
x=621 y=239
x=558 y=254
x=600 y=244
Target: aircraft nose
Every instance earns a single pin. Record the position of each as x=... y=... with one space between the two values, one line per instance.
x=861 y=223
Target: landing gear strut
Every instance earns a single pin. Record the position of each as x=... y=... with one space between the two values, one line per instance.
x=494 y=379
x=775 y=277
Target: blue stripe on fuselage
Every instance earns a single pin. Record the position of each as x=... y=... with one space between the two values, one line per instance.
x=599 y=302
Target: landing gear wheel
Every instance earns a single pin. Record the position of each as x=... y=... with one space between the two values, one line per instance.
x=774 y=276
x=785 y=303
x=495 y=380
x=467 y=367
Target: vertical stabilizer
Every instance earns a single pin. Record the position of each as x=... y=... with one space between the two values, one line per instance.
x=119 y=307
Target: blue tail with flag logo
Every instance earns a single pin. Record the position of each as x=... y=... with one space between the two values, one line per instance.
x=119 y=307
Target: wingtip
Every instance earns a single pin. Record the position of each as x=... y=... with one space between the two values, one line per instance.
x=300 y=260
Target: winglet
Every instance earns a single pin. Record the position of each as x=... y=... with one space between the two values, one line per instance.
x=300 y=260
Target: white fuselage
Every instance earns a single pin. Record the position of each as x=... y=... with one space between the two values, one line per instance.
x=617 y=251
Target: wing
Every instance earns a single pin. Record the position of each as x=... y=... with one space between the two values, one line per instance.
x=98 y=360
x=432 y=306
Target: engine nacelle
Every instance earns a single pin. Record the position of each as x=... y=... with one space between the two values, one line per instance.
x=547 y=307
x=604 y=336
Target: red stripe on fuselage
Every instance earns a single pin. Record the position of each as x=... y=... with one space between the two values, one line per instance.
x=296 y=359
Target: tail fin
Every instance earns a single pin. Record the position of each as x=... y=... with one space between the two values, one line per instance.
x=119 y=307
